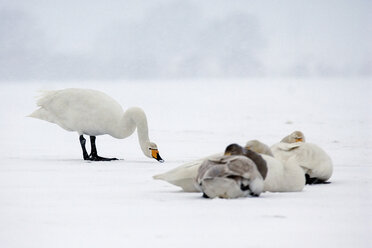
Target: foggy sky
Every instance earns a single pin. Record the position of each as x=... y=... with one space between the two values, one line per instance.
x=116 y=39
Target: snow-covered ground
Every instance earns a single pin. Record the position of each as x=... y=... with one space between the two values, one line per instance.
x=50 y=197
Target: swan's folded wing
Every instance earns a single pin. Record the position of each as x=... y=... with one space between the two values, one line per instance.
x=286 y=146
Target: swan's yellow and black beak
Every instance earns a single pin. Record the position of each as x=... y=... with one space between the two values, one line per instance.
x=155 y=154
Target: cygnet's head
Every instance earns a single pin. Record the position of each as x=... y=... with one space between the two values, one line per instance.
x=296 y=136
x=259 y=147
x=151 y=151
x=234 y=149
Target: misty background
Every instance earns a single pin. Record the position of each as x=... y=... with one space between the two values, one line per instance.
x=163 y=39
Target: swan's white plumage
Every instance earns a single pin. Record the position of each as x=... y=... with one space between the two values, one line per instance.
x=283 y=177
x=93 y=113
x=311 y=158
x=85 y=111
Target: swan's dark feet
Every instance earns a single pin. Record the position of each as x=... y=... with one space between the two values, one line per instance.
x=314 y=180
x=253 y=194
x=98 y=158
x=93 y=155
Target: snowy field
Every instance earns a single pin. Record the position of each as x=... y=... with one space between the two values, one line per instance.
x=50 y=197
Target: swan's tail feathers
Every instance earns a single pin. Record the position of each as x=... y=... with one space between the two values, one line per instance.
x=186 y=182
x=44 y=97
x=159 y=177
x=167 y=176
x=41 y=114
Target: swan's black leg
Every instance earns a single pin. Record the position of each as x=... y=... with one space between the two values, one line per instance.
x=93 y=151
x=93 y=154
x=82 y=143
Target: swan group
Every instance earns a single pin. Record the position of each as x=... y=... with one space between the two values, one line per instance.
x=290 y=164
x=93 y=113
x=279 y=177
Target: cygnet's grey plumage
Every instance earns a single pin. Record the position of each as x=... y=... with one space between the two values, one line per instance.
x=235 y=149
x=229 y=177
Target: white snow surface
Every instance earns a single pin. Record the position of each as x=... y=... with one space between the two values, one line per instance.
x=50 y=197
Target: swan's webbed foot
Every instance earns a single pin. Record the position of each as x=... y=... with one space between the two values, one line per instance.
x=95 y=157
x=205 y=195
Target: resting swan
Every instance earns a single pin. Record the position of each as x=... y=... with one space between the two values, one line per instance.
x=93 y=113
x=229 y=176
x=315 y=162
x=281 y=176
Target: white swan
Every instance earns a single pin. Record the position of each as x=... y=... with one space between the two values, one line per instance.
x=229 y=176
x=93 y=113
x=314 y=161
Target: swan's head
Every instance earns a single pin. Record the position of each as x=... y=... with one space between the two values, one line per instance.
x=152 y=151
x=259 y=147
x=234 y=149
x=296 y=136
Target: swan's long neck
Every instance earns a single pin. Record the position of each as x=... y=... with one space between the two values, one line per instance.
x=134 y=118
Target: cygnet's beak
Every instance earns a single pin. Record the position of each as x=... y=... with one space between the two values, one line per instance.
x=155 y=154
x=299 y=139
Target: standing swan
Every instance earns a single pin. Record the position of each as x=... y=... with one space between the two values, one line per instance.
x=93 y=113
